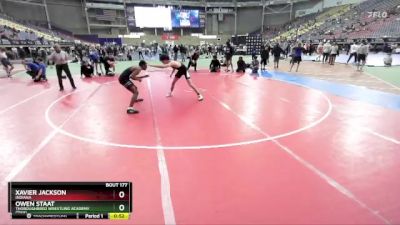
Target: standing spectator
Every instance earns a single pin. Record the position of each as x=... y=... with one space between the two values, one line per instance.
x=95 y=60
x=210 y=48
x=296 y=57
x=287 y=50
x=334 y=53
x=353 y=52
x=362 y=54
x=276 y=51
x=140 y=51
x=175 y=49
x=43 y=55
x=79 y=50
x=193 y=59
x=319 y=52
x=60 y=58
x=326 y=51
x=264 y=57
x=182 y=50
x=8 y=67
x=228 y=56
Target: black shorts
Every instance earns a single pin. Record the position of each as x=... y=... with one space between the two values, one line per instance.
x=264 y=61
x=182 y=71
x=5 y=62
x=296 y=59
x=124 y=80
x=361 y=57
x=127 y=84
x=228 y=57
x=96 y=60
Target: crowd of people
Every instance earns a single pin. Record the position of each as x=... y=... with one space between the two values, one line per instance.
x=97 y=60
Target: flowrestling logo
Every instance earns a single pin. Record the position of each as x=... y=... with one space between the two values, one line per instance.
x=377 y=14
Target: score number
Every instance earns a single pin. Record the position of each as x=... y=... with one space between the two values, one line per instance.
x=121 y=195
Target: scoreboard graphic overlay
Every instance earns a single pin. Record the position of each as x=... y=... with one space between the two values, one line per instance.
x=254 y=43
x=70 y=200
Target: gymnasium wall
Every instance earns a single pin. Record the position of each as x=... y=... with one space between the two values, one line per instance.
x=26 y=12
x=68 y=15
x=309 y=7
x=65 y=14
x=276 y=19
x=249 y=19
x=332 y=3
x=215 y=26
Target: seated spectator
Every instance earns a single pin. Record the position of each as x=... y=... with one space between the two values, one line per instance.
x=255 y=64
x=241 y=65
x=86 y=69
x=215 y=65
x=387 y=61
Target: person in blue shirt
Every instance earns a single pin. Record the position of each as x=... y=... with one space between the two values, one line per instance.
x=32 y=68
x=37 y=69
x=95 y=59
x=42 y=70
x=297 y=52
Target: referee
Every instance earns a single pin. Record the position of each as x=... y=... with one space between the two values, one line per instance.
x=60 y=58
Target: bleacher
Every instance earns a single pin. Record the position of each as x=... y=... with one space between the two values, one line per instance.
x=312 y=22
x=360 y=22
x=27 y=29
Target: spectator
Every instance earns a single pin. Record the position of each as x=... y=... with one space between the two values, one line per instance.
x=296 y=56
x=87 y=70
x=215 y=65
x=8 y=67
x=362 y=54
x=326 y=51
x=228 y=56
x=109 y=62
x=255 y=64
x=387 y=61
x=241 y=65
x=319 y=52
x=334 y=53
x=193 y=59
x=175 y=49
x=353 y=52
x=276 y=51
x=182 y=50
x=264 y=57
